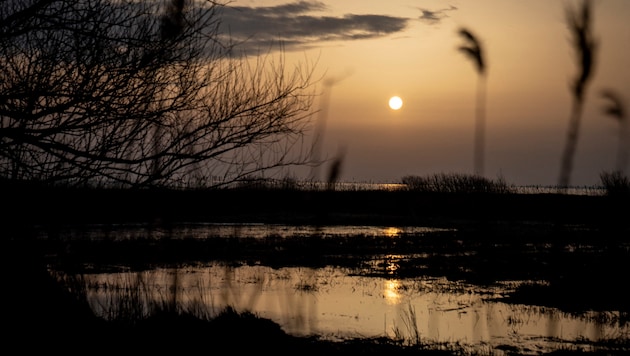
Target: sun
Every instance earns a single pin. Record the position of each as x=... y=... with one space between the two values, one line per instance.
x=395 y=102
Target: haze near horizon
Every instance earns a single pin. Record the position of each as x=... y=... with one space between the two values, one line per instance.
x=370 y=51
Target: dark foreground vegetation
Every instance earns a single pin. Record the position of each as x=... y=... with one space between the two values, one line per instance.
x=579 y=244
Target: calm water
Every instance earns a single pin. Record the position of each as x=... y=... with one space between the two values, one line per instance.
x=338 y=302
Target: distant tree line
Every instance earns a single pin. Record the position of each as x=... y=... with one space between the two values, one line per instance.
x=139 y=93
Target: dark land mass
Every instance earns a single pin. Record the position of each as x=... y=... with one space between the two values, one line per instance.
x=33 y=204
x=578 y=244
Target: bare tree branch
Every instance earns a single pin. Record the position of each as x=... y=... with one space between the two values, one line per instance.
x=138 y=93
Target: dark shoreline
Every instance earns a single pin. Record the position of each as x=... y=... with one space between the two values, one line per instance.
x=53 y=206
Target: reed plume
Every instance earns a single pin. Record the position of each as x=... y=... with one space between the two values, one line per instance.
x=585 y=46
x=320 y=129
x=334 y=171
x=474 y=51
x=617 y=111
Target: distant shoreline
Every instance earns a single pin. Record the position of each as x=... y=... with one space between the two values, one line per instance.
x=519 y=189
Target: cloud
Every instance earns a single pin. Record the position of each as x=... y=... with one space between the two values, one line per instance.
x=297 y=26
x=433 y=17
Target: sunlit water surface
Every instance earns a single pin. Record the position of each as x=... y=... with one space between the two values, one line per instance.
x=337 y=302
x=332 y=303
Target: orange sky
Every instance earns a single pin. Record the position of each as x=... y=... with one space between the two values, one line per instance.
x=377 y=49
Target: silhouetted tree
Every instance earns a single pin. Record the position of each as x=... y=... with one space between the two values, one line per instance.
x=141 y=93
x=617 y=111
x=474 y=51
x=579 y=22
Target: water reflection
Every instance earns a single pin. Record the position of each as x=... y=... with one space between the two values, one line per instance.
x=390 y=292
x=238 y=230
x=380 y=295
x=333 y=302
x=392 y=231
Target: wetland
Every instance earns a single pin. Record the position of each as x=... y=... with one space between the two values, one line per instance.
x=507 y=273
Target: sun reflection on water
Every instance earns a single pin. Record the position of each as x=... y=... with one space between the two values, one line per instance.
x=392 y=231
x=391 y=263
x=334 y=302
x=390 y=291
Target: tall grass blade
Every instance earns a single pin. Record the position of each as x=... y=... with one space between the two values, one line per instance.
x=617 y=111
x=474 y=51
x=584 y=45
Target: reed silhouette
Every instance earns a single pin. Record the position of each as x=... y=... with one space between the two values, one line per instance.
x=617 y=111
x=334 y=171
x=318 y=139
x=584 y=44
x=474 y=51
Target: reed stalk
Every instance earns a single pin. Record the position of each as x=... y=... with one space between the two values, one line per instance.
x=474 y=51
x=585 y=46
x=617 y=111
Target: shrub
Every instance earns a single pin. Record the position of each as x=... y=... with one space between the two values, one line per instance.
x=456 y=183
x=615 y=183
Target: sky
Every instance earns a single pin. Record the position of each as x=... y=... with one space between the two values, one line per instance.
x=366 y=51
